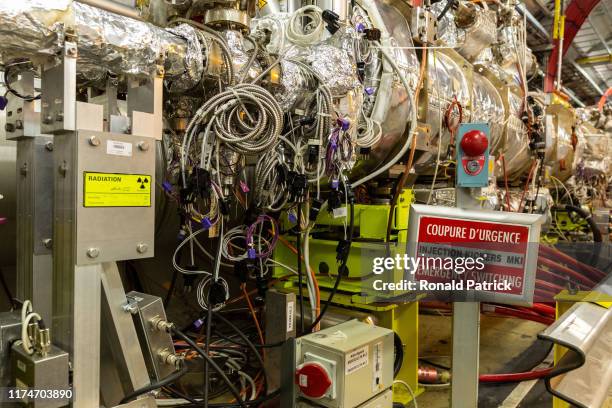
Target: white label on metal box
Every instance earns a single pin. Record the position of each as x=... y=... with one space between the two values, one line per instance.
x=119 y=148
x=356 y=359
x=290 y=316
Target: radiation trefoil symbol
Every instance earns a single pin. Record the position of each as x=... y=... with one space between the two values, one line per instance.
x=142 y=182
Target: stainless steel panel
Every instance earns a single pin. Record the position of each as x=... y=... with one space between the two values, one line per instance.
x=584 y=373
x=154 y=343
x=121 y=334
x=58 y=109
x=116 y=232
x=85 y=331
x=280 y=325
x=34 y=222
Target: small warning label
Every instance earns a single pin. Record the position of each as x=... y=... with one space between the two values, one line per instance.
x=261 y=3
x=356 y=359
x=116 y=190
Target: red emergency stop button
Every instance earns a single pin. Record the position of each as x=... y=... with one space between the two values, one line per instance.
x=313 y=379
x=474 y=143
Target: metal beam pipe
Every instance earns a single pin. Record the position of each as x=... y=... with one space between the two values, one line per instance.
x=588 y=77
x=107 y=41
x=595 y=59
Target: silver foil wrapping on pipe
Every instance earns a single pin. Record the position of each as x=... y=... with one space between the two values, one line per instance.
x=240 y=56
x=106 y=41
x=193 y=61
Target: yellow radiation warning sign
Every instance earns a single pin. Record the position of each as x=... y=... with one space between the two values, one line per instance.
x=116 y=190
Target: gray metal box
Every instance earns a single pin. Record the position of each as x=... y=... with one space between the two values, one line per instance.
x=38 y=372
x=384 y=400
x=23 y=117
x=10 y=330
x=153 y=342
x=106 y=193
x=359 y=356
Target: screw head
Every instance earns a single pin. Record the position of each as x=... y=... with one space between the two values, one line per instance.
x=143 y=146
x=63 y=168
x=142 y=248
x=48 y=243
x=130 y=307
x=49 y=146
x=93 y=252
x=94 y=141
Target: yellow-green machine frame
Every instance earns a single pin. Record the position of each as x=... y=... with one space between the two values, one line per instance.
x=371 y=224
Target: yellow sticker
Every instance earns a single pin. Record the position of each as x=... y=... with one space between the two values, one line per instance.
x=261 y=3
x=116 y=190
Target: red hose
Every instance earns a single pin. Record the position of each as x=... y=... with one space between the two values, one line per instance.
x=515 y=377
x=549 y=285
x=560 y=256
x=544 y=308
x=506 y=311
x=565 y=270
x=556 y=279
x=543 y=295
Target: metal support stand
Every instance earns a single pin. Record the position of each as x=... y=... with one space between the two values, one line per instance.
x=466 y=335
x=34 y=193
x=466 y=351
x=88 y=296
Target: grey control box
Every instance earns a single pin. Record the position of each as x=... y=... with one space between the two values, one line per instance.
x=156 y=344
x=44 y=373
x=358 y=358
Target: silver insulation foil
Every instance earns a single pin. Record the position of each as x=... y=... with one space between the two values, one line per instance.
x=106 y=41
x=487 y=106
x=240 y=57
x=332 y=59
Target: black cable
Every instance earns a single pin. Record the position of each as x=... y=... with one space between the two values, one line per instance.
x=214 y=365
x=7 y=290
x=7 y=84
x=589 y=219
x=251 y=346
x=148 y=388
x=597 y=237
x=256 y=401
x=299 y=265
x=341 y=269
x=449 y=4
x=207 y=351
x=399 y=354
x=259 y=346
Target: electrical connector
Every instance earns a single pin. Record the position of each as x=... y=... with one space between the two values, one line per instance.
x=342 y=250
x=315 y=208
x=372 y=34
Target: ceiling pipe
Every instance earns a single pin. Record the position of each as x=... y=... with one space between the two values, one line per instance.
x=114 y=7
x=595 y=59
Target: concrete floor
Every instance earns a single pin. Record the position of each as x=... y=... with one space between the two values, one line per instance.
x=503 y=342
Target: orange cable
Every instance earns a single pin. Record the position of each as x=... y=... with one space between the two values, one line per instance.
x=253 y=313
